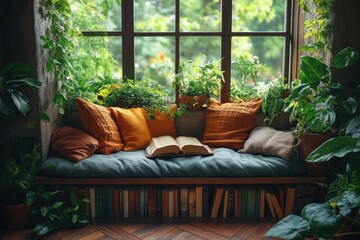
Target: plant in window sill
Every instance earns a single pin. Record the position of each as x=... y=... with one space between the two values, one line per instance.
x=128 y=93
x=197 y=81
x=273 y=100
x=340 y=215
x=247 y=70
x=316 y=99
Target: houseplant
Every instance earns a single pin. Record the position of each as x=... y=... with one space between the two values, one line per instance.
x=14 y=78
x=197 y=81
x=316 y=100
x=326 y=220
x=19 y=166
x=128 y=93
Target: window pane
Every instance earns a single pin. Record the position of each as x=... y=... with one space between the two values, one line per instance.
x=154 y=59
x=200 y=15
x=256 y=61
x=154 y=15
x=258 y=15
x=192 y=47
x=98 y=58
x=96 y=15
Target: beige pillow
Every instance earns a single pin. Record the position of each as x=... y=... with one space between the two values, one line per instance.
x=268 y=141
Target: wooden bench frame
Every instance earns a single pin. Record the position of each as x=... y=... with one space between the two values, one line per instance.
x=183 y=181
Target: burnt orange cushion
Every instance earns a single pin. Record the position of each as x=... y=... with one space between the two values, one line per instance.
x=229 y=124
x=163 y=123
x=97 y=121
x=73 y=144
x=133 y=128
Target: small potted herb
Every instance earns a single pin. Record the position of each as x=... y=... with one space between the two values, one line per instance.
x=198 y=81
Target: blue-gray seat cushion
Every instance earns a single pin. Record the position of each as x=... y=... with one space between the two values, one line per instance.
x=224 y=163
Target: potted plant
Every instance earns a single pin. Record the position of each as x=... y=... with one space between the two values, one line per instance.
x=326 y=220
x=129 y=93
x=315 y=101
x=19 y=166
x=197 y=81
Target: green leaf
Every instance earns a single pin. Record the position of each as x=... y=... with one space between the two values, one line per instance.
x=334 y=147
x=353 y=128
x=75 y=218
x=21 y=102
x=57 y=205
x=291 y=227
x=322 y=219
x=30 y=82
x=348 y=201
x=350 y=105
x=44 y=117
x=44 y=211
x=298 y=91
x=312 y=70
x=345 y=58
x=41 y=229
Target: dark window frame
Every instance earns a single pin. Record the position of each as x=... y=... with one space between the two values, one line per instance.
x=128 y=35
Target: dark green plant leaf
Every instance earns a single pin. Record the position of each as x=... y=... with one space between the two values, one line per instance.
x=21 y=102
x=57 y=205
x=334 y=147
x=29 y=82
x=41 y=229
x=298 y=91
x=353 y=128
x=44 y=117
x=348 y=201
x=345 y=58
x=350 y=105
x=75 y=218
x=291 y=227
x=44 y=211
x=312 y=70
x=322 y=219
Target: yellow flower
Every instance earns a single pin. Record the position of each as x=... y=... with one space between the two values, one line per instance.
x=161 y=56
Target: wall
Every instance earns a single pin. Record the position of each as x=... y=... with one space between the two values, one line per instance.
x=346 y=33
x=17 y=43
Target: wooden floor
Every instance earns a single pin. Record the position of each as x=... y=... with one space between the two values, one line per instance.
x=190 y=230
x=171 y=230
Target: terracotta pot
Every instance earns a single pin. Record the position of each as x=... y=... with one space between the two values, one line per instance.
x=309 y=142
x=15 y=216
x=194 y=103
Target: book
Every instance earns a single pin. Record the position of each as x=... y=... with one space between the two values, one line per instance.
x=199 y=201
x=270 y=204
x=276 y=205
x=126 y=203
x=116 y=203
x=226 y=201
x=171 y=205
x=290 y=198
x=184 y=202
x=262 y=203
x=217 y=202
x=92 y=202
x=192 y=202
x=167 y=145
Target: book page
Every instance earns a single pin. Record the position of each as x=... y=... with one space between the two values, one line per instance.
x=163 y=145
x=192 y=146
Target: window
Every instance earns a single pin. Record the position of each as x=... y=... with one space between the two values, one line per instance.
x=149 y=39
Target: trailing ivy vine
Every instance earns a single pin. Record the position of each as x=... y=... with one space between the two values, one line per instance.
x=58 y=40
x=317 y=27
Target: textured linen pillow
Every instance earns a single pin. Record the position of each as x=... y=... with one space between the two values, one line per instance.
x=73 y=144
x=268 y=141
x=133 y=128
x=163 y=123
x=229 y=124
x=97 y=121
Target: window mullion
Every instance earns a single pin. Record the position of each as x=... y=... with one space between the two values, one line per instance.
x=226 y=48
x=128 y=47
x=177 y=44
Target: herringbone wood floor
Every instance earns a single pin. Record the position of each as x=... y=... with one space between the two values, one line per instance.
x=189 y=230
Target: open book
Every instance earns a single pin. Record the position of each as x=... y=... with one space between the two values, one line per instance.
x=167 y=145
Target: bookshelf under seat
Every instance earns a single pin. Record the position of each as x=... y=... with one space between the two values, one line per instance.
x=257 y=197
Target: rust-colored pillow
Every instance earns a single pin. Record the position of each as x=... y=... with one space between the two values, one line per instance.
x=229 y=124
x=73 y=144
x=163 y=123
x=133 y=128
x=97 y=121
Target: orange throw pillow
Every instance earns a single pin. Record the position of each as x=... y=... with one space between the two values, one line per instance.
x=229 y=124
x=163 y=124
x=97 y=121
x=133 y=128
x=73 y=144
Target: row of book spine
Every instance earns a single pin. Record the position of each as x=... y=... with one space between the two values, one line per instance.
x=190 y=201
x=166 y=202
